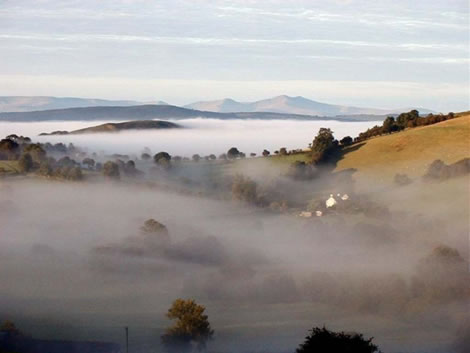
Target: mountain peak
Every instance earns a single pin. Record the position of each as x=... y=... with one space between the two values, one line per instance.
x=288 y=105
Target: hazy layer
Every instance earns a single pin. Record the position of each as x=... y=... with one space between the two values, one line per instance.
x=203 y=136
x=265 y=278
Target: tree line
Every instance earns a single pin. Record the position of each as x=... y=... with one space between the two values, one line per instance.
x=410 y=119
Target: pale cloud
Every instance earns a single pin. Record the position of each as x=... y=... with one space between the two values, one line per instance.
x=372 y=19
x=183 y=50
x=231 y=41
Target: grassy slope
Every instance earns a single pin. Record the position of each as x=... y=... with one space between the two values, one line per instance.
x=8 y=167
x=410 y=151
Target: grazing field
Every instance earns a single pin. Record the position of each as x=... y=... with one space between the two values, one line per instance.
x=410 y=151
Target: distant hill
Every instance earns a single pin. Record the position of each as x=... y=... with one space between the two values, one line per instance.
x=32 y=103
x=147 y=112
x=410 y=151
x=293 y=105
x=116 y=127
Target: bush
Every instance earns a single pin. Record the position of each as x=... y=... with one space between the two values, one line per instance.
x=402 y=179
x=244 y=189
x=301 y=171
x=439 y=171
x=323 y=340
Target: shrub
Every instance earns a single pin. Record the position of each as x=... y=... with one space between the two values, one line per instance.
x=324 y=340
x=402 y=179
x=244 y=189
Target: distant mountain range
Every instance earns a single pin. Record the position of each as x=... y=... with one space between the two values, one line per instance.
x=32 y=103
x=293 y=105
x=280 y=104
x=162 y=112
x=116 y=127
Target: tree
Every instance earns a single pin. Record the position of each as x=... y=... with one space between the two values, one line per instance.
x=324 y=146
x=111 y=170
x=74 y=173
x=66 y=162
x=252 y=154
x=152 y=226
x=155 y=233
x=162 y=159
x=130 y=169
x=145 y=156
x=388 y=125
x=324 y=340
x=90 y=163
x=437 y=170
x=9 y=149
x=402 y=179
x=45 y=169
x=212 y=157
x=323 y=141
x=283 y=151
x=196 y=157
x=266 y=153
x=442 y=276
x=25 y=163
x=191 y=326
x=36 y=151
x=346 y=141
x=244 y=189
x=233 y=153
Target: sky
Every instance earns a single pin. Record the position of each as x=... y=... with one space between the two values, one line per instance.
x=384 y=54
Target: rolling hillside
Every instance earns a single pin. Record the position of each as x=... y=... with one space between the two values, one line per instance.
x=410 y=151
x=116 y=127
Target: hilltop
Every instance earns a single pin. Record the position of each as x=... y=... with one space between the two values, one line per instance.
x=410 y=151
x=116 y=127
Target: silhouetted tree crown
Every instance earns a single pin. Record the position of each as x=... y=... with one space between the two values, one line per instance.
x=233 y=153
x=322 y=340
x=162 y=157
x=346 y=141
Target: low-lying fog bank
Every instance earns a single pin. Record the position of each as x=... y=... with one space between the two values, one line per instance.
x=74 y=254
x=202 y=136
